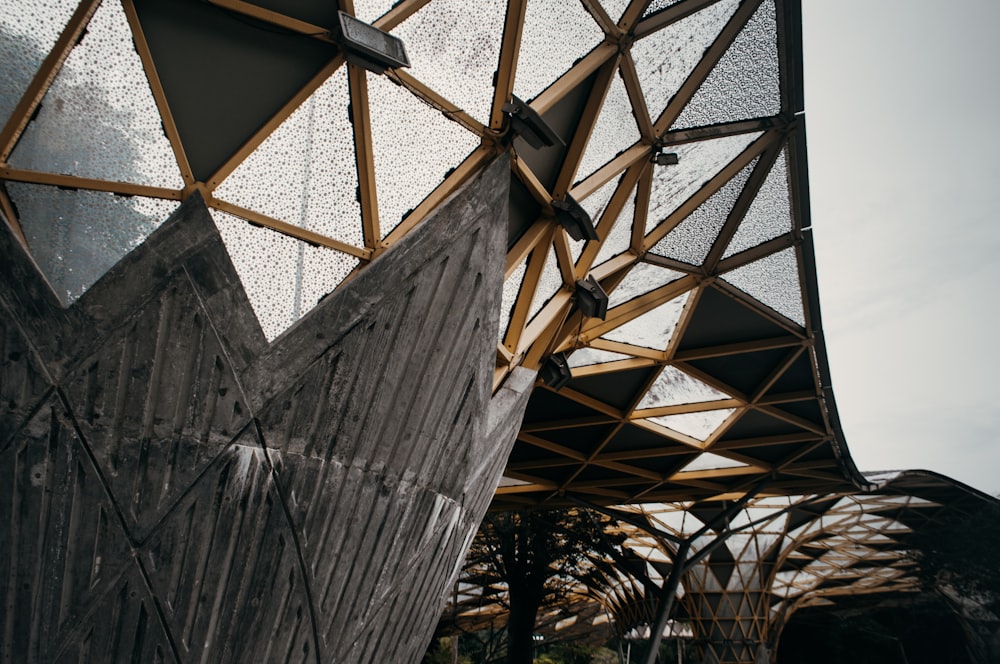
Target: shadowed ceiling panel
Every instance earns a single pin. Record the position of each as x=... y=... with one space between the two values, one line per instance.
x=224 y=75
x=720 y=319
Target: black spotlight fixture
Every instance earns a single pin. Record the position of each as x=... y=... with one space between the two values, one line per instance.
x=591 y=299
x=555 y=372
x=574 y=219
x=666 y=158
x=530 y=126
x=366 y=46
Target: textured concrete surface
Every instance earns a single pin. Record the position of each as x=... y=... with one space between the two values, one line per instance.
x=175 y=489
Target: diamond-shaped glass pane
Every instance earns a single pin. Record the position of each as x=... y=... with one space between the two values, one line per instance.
x=304 y=173
x=76 y=236
x=99 y=120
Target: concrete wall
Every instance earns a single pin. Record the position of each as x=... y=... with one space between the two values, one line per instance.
x=175 y=489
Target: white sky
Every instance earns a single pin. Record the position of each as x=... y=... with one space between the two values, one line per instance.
x=904 y=161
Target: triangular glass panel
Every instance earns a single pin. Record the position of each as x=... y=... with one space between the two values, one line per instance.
x=652 y=329
x=585 y=357
x=75 y=236
x=410 y=164
x=28 y=31
x=774 y=280
x=595 y=204
x=511 y=289
x=745 y=83
x=699 y=162
x=641 y=279
x=370 y=10
x=692 y=239
x=770 y=214
x=549 y=282
x=697 y=425
x=614 y=131
x=555 y=35
x=284 y=278
x=673 y=387
x=709 y=461
x=664 y=59
x=619 y=238
x=454 y=47
x=304 y=173
x=99 y=120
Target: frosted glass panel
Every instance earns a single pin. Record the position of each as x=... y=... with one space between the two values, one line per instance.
x=99 y=119
x=284 y=278
x=595 y=204
x=511 y=289
x=774 y=280
x=304 y=173
x=745 y=83
x=583 y=357
x=708 y=461
x=641 y=279
x=692 y=239
x=77 y=236
x=699 y=162
x=666 y=58
x=615 y=8
x=770 y=214
x=550 y=282
x=28 y=31
x=619 y=238
x=410 y=163
x=696 y=425
x=652 y=329
x=454 y=47
x=614 y=131
x=673 y=387
x=555 y=35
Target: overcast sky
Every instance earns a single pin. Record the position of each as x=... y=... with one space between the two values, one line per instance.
x=902 y=115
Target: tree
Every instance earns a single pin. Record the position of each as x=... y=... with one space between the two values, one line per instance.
x=539 y=556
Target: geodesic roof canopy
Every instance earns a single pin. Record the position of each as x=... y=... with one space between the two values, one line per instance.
x=708 y=372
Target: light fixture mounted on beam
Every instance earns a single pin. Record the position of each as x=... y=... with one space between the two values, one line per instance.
x=555 y=372
x=661 y=158
x=366 y=46
x=591 y=299
x=574 y=219
x=530 y=126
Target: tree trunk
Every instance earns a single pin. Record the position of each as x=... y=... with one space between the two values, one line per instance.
x=521 y=627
